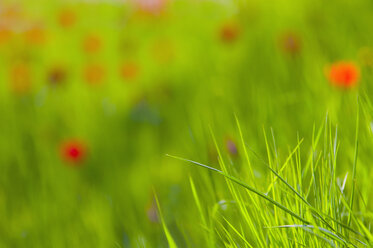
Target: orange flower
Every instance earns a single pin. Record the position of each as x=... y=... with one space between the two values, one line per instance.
x=11 y=12
x=344 y=74
x=229 y=32
x=20 y=78
x=92 y=44
x=94 y=73
x=5 y=35
x=66 y=18
x=129 y=71
x=35 y=36
x=73 y=151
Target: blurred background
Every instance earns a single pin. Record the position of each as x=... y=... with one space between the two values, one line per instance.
x=95 y=93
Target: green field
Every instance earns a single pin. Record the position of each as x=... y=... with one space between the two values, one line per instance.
x=186 y=123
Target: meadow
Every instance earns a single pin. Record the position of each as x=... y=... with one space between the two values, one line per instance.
x=186 y=123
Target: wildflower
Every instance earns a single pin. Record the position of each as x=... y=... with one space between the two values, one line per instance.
x=11 y=15
x=344 y=74
x=150 y=7
x=231 y=147
x=152 y=212
x=5 y=34
x=129 y=71
x=92 y=44
x=73 y=151
x=56 y=75
x=94 y=73
x=229 y=32
x=20 y=78
x=35 y=35
x=290 y=43
x=66 y=18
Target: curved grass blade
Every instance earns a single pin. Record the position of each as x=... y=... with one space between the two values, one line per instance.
x=354 y=165
x=309 y=229
x=246 y=186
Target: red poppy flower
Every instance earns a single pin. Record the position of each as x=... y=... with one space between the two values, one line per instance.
x=92 y=44
x=344 y=74
x=73 y=151
x=229 y=32
x=129 y=70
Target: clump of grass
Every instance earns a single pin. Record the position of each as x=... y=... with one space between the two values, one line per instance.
x=302 y=204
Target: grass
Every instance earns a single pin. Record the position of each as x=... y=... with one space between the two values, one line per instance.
x=324 y=219
x=279 y=156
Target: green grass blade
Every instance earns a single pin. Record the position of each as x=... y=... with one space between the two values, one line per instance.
x=170 y=240
x=354 y=166
x=239 y=182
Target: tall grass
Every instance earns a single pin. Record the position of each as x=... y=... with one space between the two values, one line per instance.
x=302 y=204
